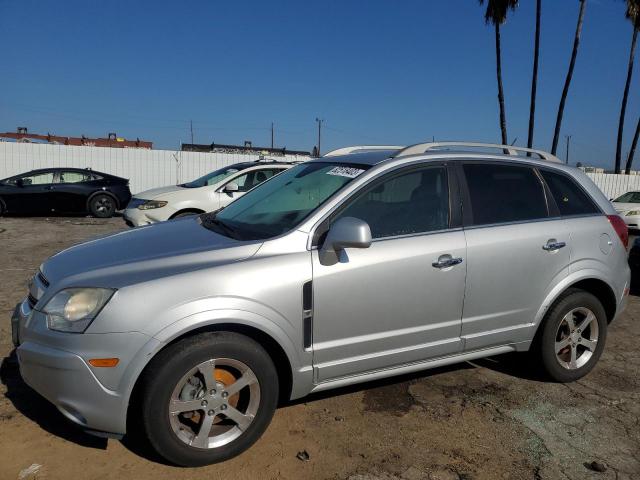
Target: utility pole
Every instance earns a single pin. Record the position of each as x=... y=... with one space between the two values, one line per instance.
x=568 y=137
x=191 y=127
x=320 y=121
x=271 y=134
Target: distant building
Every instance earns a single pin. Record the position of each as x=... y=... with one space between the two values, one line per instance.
x=247 y=148
x=112 y=140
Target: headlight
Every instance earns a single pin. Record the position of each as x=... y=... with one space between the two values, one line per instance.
x=73 y=309
x=632 y=213
x=152 y=204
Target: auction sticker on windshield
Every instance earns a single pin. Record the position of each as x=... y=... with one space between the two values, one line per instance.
x=350 y=172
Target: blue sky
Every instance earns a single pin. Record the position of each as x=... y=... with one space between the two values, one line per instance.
x=376 y=71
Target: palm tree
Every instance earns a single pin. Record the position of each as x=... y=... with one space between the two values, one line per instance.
x=633 y=14
x=632 y=152
x=567 y=82
x=496 y=14
x=534 y=77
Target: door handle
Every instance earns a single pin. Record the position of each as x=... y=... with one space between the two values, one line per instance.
x=446 y=261
x=553 y=245
x=49 y=188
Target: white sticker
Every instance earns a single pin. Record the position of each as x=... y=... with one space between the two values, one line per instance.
x=350 y=172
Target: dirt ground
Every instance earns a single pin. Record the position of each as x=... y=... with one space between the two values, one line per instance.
x=484 y=420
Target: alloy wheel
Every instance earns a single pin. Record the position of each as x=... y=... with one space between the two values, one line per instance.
x=576 y=338
x=214 y=403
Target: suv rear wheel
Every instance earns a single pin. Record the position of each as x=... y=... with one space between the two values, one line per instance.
x=208 y=398
x=573 y=336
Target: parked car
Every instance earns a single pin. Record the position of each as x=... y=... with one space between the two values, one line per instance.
x=64 y=190
x=205 y=194
x=356 y=266
x=628 y=206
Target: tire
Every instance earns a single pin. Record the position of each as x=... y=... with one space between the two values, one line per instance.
x=589 y=324
x=176 y=377
x=102 y=206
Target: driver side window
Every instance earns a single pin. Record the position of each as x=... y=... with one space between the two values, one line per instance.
x=38 y=179
x=416 y=201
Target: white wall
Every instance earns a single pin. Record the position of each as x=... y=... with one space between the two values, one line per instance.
x=615 y=185
x=144 y=168
x=156 y=168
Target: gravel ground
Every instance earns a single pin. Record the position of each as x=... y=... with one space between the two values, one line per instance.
x=487 y=419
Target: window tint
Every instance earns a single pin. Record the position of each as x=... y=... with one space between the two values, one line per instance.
x=249 y=180
x=280 y=204
x=74 y=177
x=504 y=193
x=569 y=197
x=629 y=197
x=38 y=179
x=414 y=202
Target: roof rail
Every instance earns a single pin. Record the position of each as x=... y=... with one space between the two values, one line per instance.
x=419 y=148
x=361 y=149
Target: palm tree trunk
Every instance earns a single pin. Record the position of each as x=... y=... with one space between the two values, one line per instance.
x=623 y=109
x=632 y=152
x=534 y=78
x=503 y=116
x=567 y=82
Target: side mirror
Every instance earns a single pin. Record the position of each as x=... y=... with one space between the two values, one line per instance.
x=231 y=187
x=348 y=232
x=19 y=182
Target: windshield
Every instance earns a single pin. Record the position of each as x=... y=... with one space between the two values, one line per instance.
x=277 y=206
x=629 y=197
x=212 y=178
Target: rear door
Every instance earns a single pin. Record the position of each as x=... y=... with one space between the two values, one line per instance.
x=72 y=190
x=517 y=250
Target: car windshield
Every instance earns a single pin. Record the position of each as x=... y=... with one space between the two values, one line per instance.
x=212 y=178
x=277 y=206
x=629 y=197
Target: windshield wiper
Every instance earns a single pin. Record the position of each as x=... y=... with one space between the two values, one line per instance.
x=210 y=220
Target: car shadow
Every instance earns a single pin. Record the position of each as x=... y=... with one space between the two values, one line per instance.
x=37 y=409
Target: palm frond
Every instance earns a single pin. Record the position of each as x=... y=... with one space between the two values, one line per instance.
x=633 y=12
x=497 y=10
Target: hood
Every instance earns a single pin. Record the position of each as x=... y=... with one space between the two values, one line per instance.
x=145 y=253
x=156 y=192
x=625 y=207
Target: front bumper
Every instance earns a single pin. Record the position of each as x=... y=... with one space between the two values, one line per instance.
x=55 y=365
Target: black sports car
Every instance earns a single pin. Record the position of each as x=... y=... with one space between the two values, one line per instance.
x=64 y=190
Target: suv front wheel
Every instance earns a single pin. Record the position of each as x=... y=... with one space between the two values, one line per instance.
x=208 y=398
x=573 y=335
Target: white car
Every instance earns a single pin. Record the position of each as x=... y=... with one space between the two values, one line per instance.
x=205 y=194
x=628 y=206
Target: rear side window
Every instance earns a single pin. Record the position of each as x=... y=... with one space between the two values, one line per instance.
x=569 y=197
x=504 y=193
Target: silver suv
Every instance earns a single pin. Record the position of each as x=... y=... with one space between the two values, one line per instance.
x=366 y=263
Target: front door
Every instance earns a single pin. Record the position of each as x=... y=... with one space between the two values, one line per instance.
x=33 y=194
x=400 y=300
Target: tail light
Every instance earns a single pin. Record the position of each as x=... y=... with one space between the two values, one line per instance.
x=621 y=228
